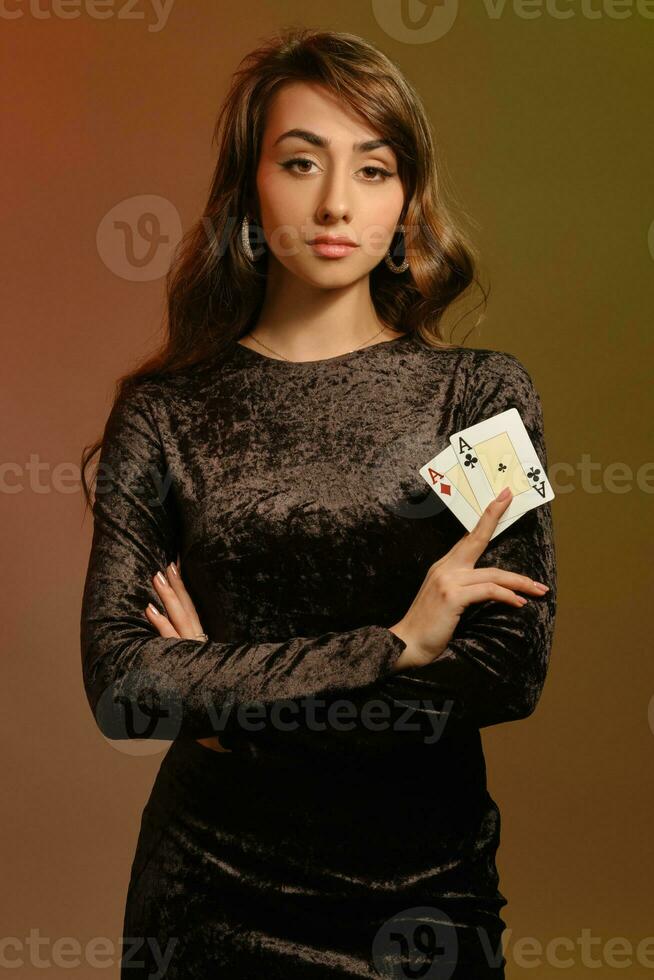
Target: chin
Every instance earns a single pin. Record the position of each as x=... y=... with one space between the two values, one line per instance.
x=330 y=275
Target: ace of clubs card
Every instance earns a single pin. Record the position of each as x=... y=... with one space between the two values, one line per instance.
x=497 y=452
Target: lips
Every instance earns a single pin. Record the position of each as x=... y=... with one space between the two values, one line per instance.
x=329 y=240
x=333 y=250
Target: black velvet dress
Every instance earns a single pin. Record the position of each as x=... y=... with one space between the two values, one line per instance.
x=349 y=831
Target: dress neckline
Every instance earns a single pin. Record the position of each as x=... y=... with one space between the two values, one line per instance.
x=248 y=352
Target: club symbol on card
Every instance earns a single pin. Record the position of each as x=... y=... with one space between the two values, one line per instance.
x=470 y=460
x=534 y=474
x=502 y=467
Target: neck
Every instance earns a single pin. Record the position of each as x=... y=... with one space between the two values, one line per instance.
x=302 y=321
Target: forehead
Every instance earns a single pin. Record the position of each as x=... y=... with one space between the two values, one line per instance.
x=309 y=105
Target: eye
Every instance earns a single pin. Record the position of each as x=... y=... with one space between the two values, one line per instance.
x=380 y=174
x=384 y=174
x=289 y=164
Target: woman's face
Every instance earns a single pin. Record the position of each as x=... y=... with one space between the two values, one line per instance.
x=319 y=181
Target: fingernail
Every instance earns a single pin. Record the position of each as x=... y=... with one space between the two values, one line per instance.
x=173 y=568
x=504 y=494
x=541 y=585
x=522 y=599
x=153 y=609
x=162 y=578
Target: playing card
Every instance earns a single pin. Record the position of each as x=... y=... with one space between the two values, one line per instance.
x=444 y=475
x=497 y=452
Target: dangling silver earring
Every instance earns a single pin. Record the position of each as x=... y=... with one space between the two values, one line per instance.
x=245 y=239
x=389 y=261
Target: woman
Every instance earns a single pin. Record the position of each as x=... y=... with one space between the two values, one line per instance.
x=321 y=645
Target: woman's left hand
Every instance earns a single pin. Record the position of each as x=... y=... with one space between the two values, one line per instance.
x=182 y=620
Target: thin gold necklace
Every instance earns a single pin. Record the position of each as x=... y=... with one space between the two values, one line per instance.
x=296 y=362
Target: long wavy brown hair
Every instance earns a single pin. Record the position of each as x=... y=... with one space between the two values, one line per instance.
x=215 y=294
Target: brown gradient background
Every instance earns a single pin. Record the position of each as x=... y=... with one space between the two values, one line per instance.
x=544 y=127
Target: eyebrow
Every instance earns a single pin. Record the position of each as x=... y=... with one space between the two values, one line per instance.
x=304 y=134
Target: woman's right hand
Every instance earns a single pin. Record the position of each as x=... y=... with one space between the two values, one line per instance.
x=451 y=584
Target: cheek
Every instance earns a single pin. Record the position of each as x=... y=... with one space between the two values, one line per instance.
x=384 y=210
x=277 y=195
x=378 y=223
x=282 y=214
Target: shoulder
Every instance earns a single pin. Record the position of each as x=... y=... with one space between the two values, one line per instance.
x=497 y=368
x=134 y=419
x=144 y=397
x=487 y=364
x=129 y=427
x=496 y=381
x=478 y=369
x=132 y=401
x=479 y=362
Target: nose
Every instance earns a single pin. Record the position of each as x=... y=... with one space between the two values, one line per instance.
x=334 y=204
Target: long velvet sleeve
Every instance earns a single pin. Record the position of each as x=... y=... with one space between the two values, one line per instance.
x=494 y=667
x=127 y=667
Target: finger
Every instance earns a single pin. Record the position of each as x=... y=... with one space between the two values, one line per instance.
x=175 y=581
x=511 y=580
x=177 y=614
x=160 y=622
x=472 y=545
x=491 y=590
